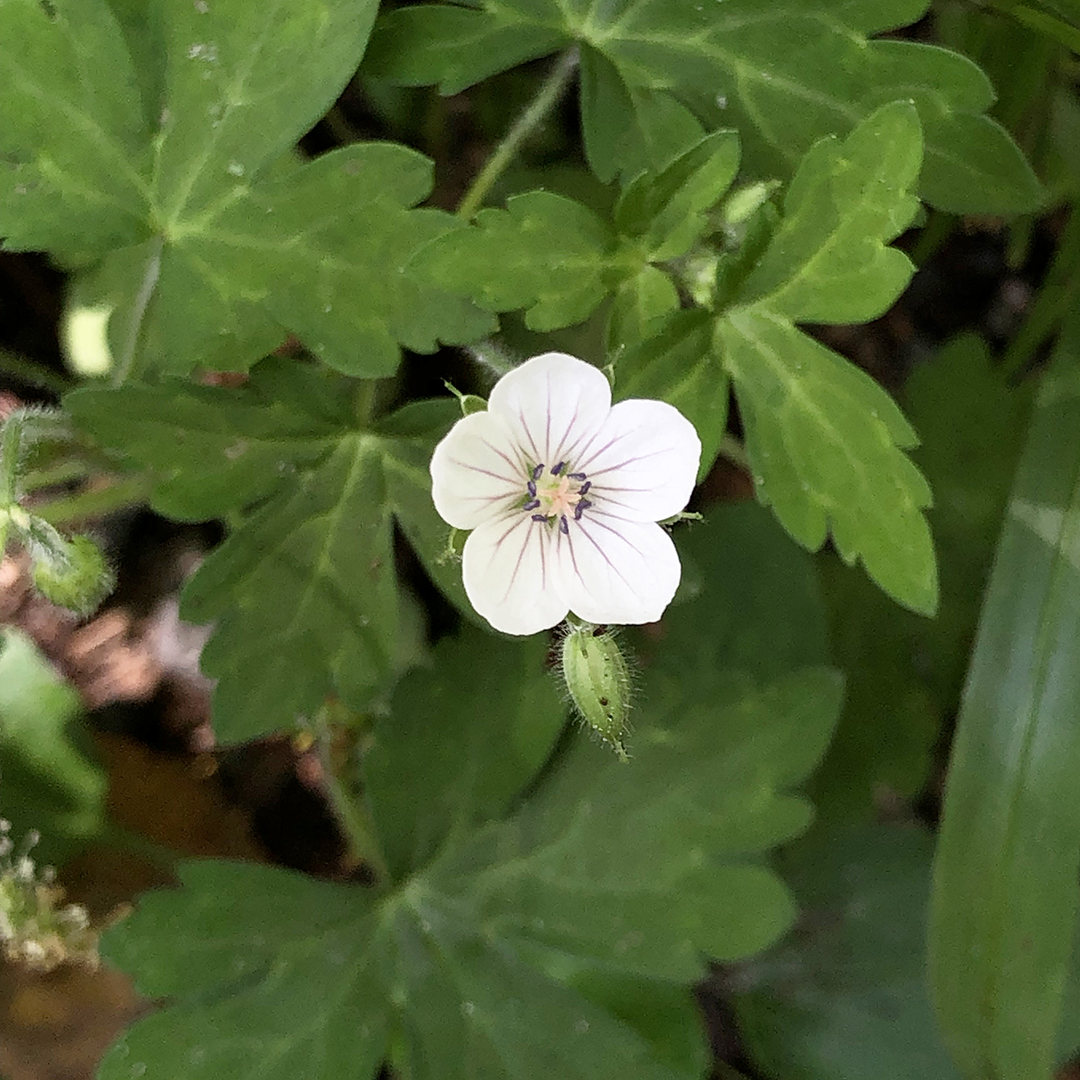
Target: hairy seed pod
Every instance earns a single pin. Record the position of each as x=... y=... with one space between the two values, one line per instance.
x=598 y=680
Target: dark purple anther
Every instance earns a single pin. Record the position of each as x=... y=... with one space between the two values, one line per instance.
x=584 y=487
x=531 y=505
x=576 y=475
x=539 y=517
x=580 y=509
x=558 y=468
x=531 y=485
x=563 y=527
x=538 y=472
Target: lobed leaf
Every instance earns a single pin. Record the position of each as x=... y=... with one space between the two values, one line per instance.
x=783 y=74
x=545 y=253
x=480 y=958
x=824 y=440
x=825 y=444
x=215 y=449
x=308 y=574
x=174 y=182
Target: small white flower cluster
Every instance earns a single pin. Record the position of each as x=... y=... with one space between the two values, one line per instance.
x=36 y=928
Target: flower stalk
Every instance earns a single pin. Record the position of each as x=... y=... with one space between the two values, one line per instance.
x=546 y=97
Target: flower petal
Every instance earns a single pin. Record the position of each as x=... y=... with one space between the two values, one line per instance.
x=507 y=567
x=643 y=462
x=555 y=403
x=476 y=472
x=615 y=571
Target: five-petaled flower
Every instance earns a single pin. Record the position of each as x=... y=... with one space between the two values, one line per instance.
x=563 y=492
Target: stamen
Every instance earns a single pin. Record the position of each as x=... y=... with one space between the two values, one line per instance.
x=538 y=472
x=531 y=486
x=584 y=487
x=531 y=505
x=584 y=503
x=563 y=527
x=556 y=469
x=576 y=475
x=578 y=511
x=539 y=517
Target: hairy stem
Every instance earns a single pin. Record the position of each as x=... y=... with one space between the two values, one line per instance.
x=549 y=93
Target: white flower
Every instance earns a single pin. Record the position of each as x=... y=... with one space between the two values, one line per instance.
x=562 y=492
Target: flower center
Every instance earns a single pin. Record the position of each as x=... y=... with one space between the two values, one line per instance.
x=555 y=494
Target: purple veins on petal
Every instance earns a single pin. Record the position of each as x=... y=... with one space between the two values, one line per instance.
x=539 y=517
x=538 y=472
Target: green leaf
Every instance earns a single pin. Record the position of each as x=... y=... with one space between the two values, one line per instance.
x=545 y=253
x=784 y=76
x=678 y=364
x=214 y=449
x=824 y=440
x=502 y=949
x=331 y=277
x=73 y=148
x=629 y=128
x=667 y=210
x=453 y=46
x=174 y=182
x=1004 y=902
x=749 y=600
x=843 y=998
x=905 y=673
x=422 y=797
x=645 y=868
x=829 y=260
x=47 y=783
x=310 y=567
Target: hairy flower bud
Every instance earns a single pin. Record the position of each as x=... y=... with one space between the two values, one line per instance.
x=76 y=576
x=598 y=680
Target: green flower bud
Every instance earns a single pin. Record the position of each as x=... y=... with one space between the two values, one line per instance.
x=598 y=680
x=76 y=577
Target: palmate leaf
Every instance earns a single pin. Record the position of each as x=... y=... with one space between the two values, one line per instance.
x=308 y=576
x=176 y=178
x=513 y=946
x=825 y=441
x=784 y=74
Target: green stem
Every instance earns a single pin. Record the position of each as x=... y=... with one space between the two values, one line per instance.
x=352 y=813
x=129 y=491
x=10 y=445
x=549 y=93
x=33 y=374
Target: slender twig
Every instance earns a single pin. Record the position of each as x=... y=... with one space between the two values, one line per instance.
x=549 y=93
